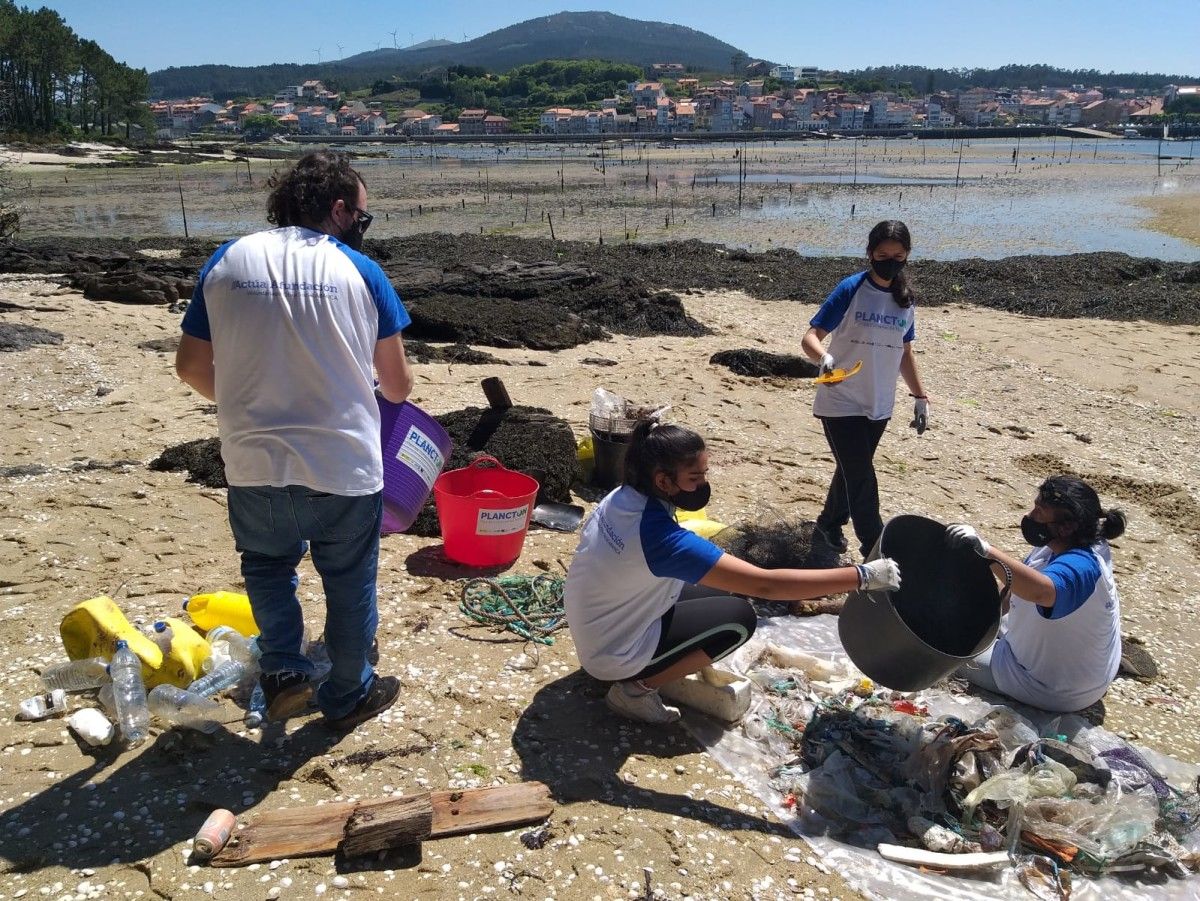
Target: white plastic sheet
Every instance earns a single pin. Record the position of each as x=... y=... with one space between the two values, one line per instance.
x=862 y=867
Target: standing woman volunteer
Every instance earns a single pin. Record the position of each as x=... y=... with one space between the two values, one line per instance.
x=870 y=316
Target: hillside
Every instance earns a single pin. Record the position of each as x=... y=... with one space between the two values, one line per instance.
x=567 y=35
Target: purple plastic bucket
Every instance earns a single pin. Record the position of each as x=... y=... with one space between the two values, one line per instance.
x=415 y=448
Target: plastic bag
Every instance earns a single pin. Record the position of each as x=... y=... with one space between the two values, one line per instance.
x=607 y=405
x=1012 y=728
x=1005 y=789
x=1050 y=780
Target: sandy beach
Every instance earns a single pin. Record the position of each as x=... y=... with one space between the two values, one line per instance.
x=1013 y=396
x=1109 y=392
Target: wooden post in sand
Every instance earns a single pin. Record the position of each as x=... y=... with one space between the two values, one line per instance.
x=496 y=393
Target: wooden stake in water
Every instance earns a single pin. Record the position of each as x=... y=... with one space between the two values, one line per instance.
x=182 y=208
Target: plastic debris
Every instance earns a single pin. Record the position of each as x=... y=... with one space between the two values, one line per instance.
x=92 y=726
x=39 y=707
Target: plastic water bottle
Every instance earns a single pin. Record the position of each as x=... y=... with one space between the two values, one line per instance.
x=230 y=641
x=76 y=675
x=106 y=698
x=129 y=694
x=178 y=707
x=227 y=674
x=257 y=713
x=41 y=706
x=161 y=634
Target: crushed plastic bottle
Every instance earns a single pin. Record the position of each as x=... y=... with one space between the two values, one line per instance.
x=227 y=674
x=39 y=707
x=161 y=634
x=229 y=643
x=178 y=707
x=76 y=675
x=129 y=695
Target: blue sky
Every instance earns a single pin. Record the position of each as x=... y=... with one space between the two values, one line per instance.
x=1110 y=35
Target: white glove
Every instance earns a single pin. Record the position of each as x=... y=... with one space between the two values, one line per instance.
x=826 y=364
x=879 y=575
x=920 y=415
x=962 y=535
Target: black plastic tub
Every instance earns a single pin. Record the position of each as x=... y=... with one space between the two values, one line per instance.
x=609 y=449
x=946 y=611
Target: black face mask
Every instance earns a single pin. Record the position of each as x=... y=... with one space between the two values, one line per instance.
x=696 y=499
x=352 y=237
x=1036 y=533
x=887 y=269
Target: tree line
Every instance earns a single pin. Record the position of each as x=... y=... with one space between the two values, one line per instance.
x=919 y=79
x=542 y=84
x=53 y=81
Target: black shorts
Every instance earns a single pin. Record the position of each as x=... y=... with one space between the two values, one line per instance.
x=705 y=619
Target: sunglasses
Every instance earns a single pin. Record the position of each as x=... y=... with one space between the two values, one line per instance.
x=362 y=218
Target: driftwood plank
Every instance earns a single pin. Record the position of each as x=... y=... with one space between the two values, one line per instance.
x=457 y=813
x=320 y=829
x=403 y=821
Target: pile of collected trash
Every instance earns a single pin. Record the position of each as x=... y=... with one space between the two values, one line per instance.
x=169 y=672
x=881 y=769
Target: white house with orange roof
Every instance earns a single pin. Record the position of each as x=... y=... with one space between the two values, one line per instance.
x=548 y=121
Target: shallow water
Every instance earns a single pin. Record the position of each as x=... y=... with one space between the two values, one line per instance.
x=990 y=222
x=962 y=199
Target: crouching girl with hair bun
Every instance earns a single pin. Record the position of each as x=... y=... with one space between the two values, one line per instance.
x=649 y=602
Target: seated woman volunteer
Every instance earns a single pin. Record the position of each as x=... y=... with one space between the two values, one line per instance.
x=1060 y=642
x=648 y=602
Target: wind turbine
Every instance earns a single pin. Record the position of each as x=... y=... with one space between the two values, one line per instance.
x=317 y=51
x=394 y=45
x=339 y=46
x=378 y=44
x=411 y=39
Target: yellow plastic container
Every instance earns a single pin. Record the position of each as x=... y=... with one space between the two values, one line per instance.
x=705 y=528
x=93 y=628
x=222 y=608
x=184 y=662
x=697 y=521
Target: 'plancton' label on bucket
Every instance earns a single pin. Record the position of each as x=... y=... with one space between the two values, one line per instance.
x=420 y=454
x=502 y=522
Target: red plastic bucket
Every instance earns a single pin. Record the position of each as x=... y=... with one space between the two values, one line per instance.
x=484 y=512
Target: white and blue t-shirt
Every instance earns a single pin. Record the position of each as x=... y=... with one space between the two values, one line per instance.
x=293 y=316
x=1063 y=658
x=631 y=565
x=866 y=324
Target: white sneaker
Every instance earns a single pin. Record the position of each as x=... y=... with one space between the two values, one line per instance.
x=629 y=700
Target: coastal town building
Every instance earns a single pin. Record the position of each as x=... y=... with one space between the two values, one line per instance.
x=470 y=121
x=685 y=104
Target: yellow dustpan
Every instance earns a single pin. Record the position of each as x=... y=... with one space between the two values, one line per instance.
x=838 y=375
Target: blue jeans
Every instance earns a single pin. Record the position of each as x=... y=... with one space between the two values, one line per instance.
x=272 y=529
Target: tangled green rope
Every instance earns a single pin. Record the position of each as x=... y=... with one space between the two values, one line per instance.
x=530 y=606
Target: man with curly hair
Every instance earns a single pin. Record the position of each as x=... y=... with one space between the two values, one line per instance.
x=285 y=331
